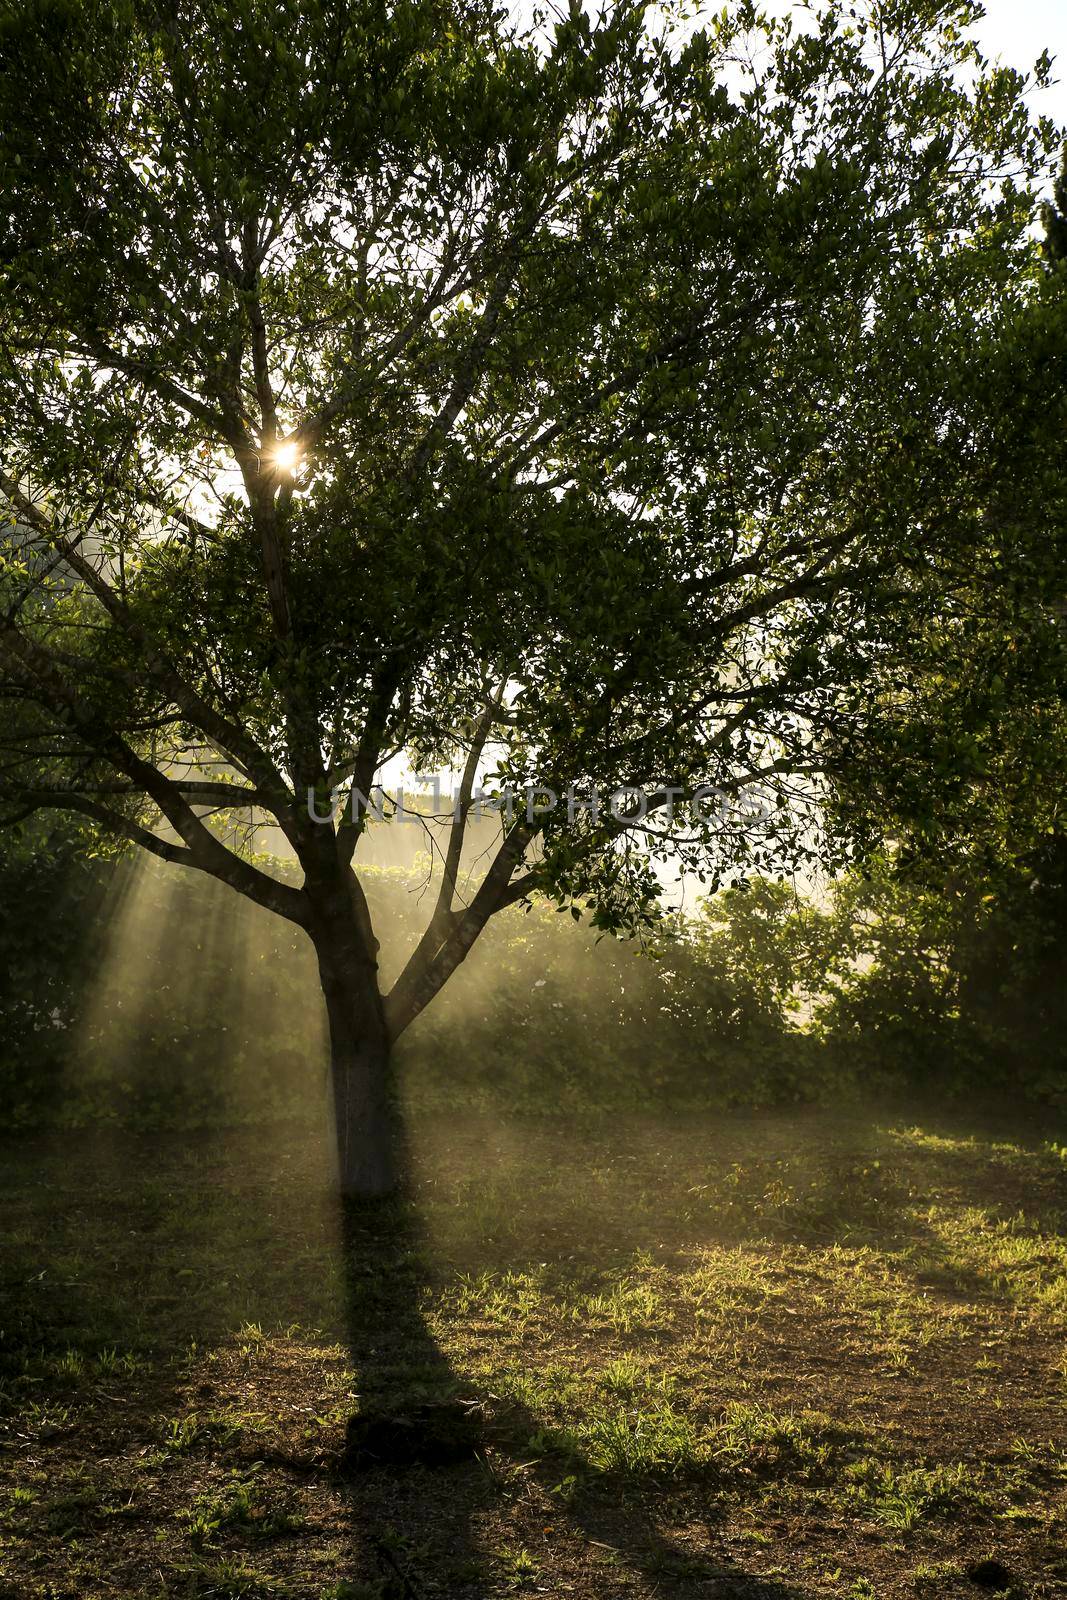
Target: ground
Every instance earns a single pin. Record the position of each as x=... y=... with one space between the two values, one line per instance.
x=774 y=1357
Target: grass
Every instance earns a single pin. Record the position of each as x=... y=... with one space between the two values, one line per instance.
x=762 y=1358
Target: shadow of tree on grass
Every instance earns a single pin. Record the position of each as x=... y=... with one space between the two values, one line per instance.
x=436 y=1469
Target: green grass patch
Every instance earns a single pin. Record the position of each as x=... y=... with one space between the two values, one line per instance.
x=799 y=1357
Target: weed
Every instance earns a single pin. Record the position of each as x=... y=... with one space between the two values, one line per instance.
x=519 y=1568
x=752 y=1438
x=936 y=1571
x=648 y=1439
x=902 y=1499
x=344 y=1590
x=241 y=1503
x=179 y=1435
x=622 y=1376
x=229 y=1579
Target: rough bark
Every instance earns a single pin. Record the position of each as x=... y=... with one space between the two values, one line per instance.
x=365 y=1121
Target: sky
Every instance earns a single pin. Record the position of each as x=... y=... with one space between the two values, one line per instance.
x=1017 y=31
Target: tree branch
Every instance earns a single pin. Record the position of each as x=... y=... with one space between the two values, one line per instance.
x=423 y=976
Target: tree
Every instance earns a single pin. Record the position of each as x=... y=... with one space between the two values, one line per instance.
x=962 y=763
x=579 y=402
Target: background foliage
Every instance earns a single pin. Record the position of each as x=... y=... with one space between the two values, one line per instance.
x=891 y=984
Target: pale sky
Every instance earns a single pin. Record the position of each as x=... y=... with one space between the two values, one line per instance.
x=1017 y=31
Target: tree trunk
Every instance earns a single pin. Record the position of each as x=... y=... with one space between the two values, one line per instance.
x=365 y=1120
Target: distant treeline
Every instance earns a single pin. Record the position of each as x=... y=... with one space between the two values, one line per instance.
x=145 y=995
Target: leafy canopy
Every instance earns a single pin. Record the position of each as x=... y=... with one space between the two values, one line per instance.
x=588 y=399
